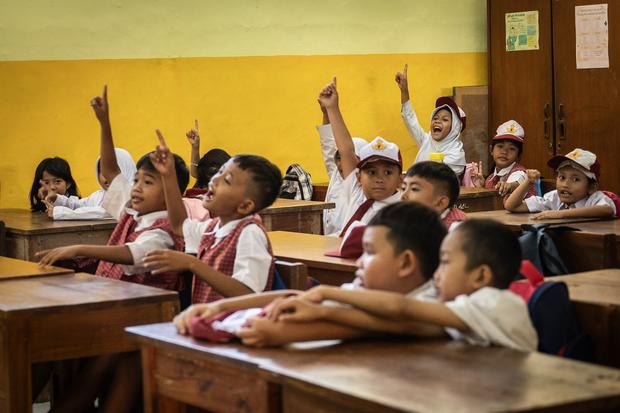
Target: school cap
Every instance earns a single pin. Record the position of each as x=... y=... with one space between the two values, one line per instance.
x=446 y=101
x=510 y=130
x=380 y=150
x=578 y=158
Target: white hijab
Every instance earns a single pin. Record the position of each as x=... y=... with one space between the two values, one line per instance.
x=125 y=163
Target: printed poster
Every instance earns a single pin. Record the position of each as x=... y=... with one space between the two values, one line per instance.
x=522 y=31
x=592 y=36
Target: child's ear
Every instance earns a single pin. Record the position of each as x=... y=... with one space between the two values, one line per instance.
x=443 y=202
x=592 y=187
x=408 y=263
x=483 y=277
x=246 y=207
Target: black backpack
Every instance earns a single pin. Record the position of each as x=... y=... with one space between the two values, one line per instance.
x=296 y=184
x=538 y=247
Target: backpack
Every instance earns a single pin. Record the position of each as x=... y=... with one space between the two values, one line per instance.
x=538 y=248
x=296 y=184
x=552 y=315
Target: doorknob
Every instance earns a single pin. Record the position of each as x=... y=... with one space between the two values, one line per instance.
x=561 y=125
x=546 y=126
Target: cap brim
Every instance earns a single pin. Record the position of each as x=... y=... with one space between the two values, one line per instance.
x=375 y=158
x=508 y=137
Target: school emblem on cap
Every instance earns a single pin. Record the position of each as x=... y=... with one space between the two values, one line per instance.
x=574 y=154
x=512 y=128
x=379 y=145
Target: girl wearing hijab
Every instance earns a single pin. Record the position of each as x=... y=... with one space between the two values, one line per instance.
x=61 y=207
x=447 y=123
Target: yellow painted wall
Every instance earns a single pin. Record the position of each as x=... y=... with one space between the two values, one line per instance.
x=257 y=104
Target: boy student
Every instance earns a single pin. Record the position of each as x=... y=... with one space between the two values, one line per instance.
x=233 y=252
x=140 y=210
x=447 y=123
x=435 y=185
x=371 y=182
x=401 y=245
x=478 y=261
x=576 y=193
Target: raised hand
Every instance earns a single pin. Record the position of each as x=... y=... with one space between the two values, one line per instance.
x=49 y=207
x=100 y=106
x=193 y=137
x=477 y=177
x=162 y=158
x=401 y=80
x=532 y=175
x=328 y=97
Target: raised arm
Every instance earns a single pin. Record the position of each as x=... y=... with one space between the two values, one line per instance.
x=329 y=99
x=163 y=161
x=193 y=137
x=403 y=85
x=107 y=157
x=514 y=203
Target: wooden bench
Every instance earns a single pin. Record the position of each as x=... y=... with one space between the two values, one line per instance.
x=414 y=375
x=296 y=216
x=64 y=317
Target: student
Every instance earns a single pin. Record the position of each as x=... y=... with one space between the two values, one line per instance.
x=203 y=168
x=447 y=123
x=140 y=210
x=401 y=245
x=506 y=150
x=61 y=207
x=435 y=185
x=478 y=261
x=234 y=255
x=371 y=182
x=52 y=176
x=333 y=164
x=576 y=193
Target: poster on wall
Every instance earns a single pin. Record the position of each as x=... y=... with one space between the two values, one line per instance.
x=522 y=31
x=592 y=36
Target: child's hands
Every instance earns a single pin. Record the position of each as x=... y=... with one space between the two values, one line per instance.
x=532 y=175
x=162 y=158
x=401 y=80
x=477 y=178
x=559 y=214
x=49 y=207
x=44 y=190
x=193 y=137
x=505 y=188
x=296 y=309
x=260 y=332
x=328 y=98
x=100 y=106
x=49 y=257
x=183 y=320
x=160 y=261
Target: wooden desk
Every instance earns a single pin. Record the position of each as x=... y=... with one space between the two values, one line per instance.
x=296 y=216
x=13 y=268
x=596 y=299
x=479 y=199
x=28 y=233
x=365 y=376
x=68 y=316
x=310 y=249
x=515 y=220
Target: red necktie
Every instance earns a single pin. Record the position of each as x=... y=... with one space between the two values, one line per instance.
x=359 y=213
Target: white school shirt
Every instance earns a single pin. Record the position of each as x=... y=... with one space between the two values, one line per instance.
x=551 y=201
x=350 y=198
x=73 y=207
x=115 y=203
x=494 y=316
x=451 y=146
x=252 y=261
x=328 y=150
x=517 y=176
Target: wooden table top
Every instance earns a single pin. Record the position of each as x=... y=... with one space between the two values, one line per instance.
x=282 y=205
x=14 y=268
x=597 y=287
x=414 y=375
x=517 y=219
x=608 y=226
x=309 y=249
x=23 y=221
x=81 y=289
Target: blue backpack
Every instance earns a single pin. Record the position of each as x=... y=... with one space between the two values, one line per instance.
x=552 y=315
x=538 y=247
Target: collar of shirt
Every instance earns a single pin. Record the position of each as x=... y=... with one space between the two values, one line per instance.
x=427 y=290
x=222 y=231
x=392 y=199
x=579 y=204
x=146 y=220
x=444 y=213
x=504 y=171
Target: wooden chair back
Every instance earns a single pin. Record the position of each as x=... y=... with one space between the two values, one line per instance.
x=293 y=274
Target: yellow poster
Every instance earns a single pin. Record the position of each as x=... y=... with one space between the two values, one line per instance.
x=522 y=31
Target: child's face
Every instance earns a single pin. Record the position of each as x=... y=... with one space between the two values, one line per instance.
x=103 y=182
x=441 y=124
x=54 y=183
x=504 y=154
x=572 y=185
x=451 y=279
x=377 y=267
x=227 y=196
x=379 y=179
x=418 y=189
x=147 y=192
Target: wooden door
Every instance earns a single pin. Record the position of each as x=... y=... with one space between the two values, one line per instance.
x=589 y=98
x=521 y=82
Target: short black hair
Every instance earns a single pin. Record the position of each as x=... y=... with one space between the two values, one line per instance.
x=485 y=241
x=413 y=226
x=179 y=166
x=266 y=179
x=209 y=164
x=440 y=175
x=54 y=166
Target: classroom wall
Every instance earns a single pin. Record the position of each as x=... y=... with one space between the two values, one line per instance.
x=249 y=71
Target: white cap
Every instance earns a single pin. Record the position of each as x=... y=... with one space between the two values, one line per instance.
x=578 y=158
x=510 y=130
x=380 y=149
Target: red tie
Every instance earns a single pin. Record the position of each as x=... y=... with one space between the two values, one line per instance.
x=359 y=213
